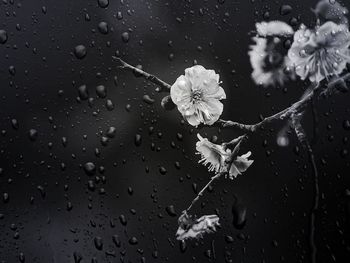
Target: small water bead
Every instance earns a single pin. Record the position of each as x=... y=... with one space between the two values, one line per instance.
x=133 y=241
x=98 y=243
x=283 y=141
x=3 y=36
x=285 y=10
x=90 y=168
x=111 y=132
x=171 y=211
x=103 y=3
x=83 y=92
x=125 y=37
x=109 y=105
x=103 y=28
x=147 y=99
x=80 y=51
x=101 y=91
x=138 y=140
x=33 y=134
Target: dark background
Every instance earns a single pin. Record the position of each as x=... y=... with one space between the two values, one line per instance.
x=47 y=211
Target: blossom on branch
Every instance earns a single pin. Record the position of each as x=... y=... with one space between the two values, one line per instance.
x=268 y=56
x=219 y=158
x=320 y=53
x=331 y=10
x=212 y=154
x=240 y=165
x=197 y=95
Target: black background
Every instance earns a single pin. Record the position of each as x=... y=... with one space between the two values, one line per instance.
x=165 y=37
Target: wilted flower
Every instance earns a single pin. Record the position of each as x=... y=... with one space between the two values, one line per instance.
x=218 y=157
x=190 y=227
x=197 y=95
x=320 y=53
x=268 y=56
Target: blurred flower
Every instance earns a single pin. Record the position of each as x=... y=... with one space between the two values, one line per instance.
x=320 y=53
x=219 y=158
x=273 y=28
x=240 y=165
x=268 y=56
x=196 y=228
x=197 y=95
x=331 y=10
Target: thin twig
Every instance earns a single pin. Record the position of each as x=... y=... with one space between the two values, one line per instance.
x=164 y=87
x=282 y=115
x=249 y=128
x=305 y=142
x=217 y=176
x=315 y=121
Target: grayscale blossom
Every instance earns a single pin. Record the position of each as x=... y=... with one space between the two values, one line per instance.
x=320 y=53
x=273 y=28
x=218 y=158
x=190 y=227
x=240 y=165
x=197 y=95
x=268 y=56
x=331 y=10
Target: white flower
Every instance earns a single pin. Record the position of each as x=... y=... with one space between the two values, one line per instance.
x=273 y=28
x=196 y=228
x=217 y=156
x=331 y=10
x=197 y=95
x=240 y=165
x=320 y=53
x=269 y=64
x=212 y=154
x=268 y=56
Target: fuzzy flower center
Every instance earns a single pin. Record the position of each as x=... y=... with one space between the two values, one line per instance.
x=196 y=96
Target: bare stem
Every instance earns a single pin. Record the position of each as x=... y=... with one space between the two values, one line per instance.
x=217 y=176
x=305 y=142
x=163 y=86
x=282 y=115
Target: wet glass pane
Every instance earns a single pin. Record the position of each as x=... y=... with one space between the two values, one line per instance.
x=115 y=114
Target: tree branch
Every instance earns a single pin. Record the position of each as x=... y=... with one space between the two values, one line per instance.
x=282 y=115
x=163 y=86
x=301 y=135
x=217 y=176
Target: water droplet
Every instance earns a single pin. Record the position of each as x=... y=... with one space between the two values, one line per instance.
x=146 y=98
x=171 y=210
x=103 y=3
x=109 y=105
x=125 y=37
x=98 y=243
x=101 y=91
x=111 y=132
x=133 y=241
x=239 y=213
x=3 y=36
x=285 y=10
x=103 y=27
x=90 y=168
x=138 y=139
x=33 y=134
x=80 y=51
x=167 y=103
x=83 y=92
x=162 y=170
